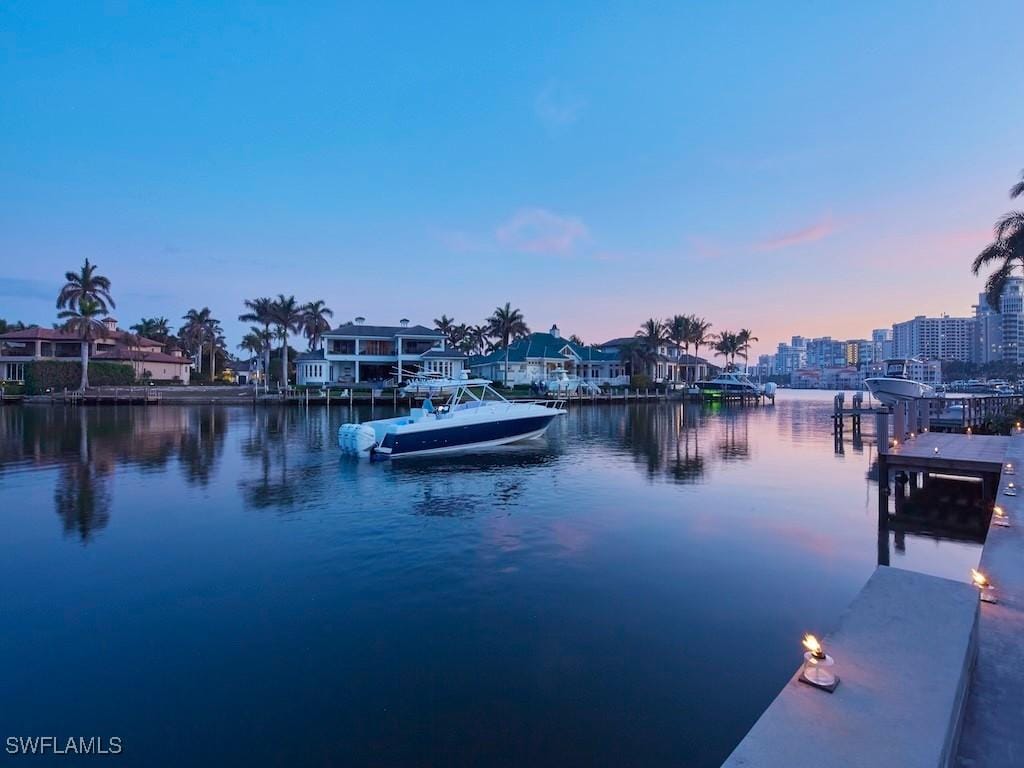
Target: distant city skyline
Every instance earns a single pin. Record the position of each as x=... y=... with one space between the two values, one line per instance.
x=594 y=166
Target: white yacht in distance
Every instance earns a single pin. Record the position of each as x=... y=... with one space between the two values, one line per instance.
x=473 y=416
x=896 y=384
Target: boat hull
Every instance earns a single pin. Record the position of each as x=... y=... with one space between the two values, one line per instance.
x=462 y=437
x=890 y=391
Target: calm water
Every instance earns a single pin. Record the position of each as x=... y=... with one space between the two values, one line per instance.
x=218 y=585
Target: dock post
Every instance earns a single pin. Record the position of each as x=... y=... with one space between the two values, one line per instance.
x=882 y=434
x=899 y=421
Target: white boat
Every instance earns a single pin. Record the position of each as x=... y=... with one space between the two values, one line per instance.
x=733 y=383
x=473 y=416
x=564 y=384
x=896 y=384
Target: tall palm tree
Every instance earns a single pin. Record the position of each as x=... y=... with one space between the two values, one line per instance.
x=1006 y=250
x=700 y=336
x=199 y=329
x=743 y=339
x=85 y=320
x=679 y=330
x=86 y=284
x=477 y=336
x=260 y=313
x=637 y=356
x=651 y=336
x=287 y=316
x=445 y=324
x=727 y=345
x=314 y=321
x=507 y=324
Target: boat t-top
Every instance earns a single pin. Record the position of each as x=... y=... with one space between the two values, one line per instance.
x=474 y=415
x=896 y=384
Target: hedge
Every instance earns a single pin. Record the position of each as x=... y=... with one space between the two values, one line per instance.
x=57 y=375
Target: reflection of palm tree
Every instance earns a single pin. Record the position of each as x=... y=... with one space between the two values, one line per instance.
x=81 y=497
x=200 y=445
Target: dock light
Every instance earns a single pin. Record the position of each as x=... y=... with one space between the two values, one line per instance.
x=1008 y=469
x=817 y=669
x=999 y=517
x=985 y=589
x=969 y=432
x=1011 y=489
x=936 y=449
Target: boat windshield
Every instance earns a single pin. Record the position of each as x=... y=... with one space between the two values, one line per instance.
x=896 y=369
x=472 y=395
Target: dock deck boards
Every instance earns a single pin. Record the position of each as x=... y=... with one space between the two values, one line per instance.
x=992 y=734
x=975 y=453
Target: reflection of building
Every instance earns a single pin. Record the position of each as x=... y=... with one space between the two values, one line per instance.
x=146 y=356
x=356 y=352
x=942 y=338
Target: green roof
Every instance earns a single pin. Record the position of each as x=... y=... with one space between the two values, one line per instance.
x=545 y=345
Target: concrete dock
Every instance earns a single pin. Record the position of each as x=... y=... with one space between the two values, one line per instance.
x=993 y=731
x=930 y=675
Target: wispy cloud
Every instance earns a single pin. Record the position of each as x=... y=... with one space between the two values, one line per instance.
x=557 y=106
x=813 y=232
x=537 y=230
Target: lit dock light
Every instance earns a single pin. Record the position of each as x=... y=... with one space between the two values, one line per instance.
x=936 y=449
x=985 y=588
x=969 y=432
x=1008 y=469
x=999 y=517
x=1011 y=489
x=817 y=670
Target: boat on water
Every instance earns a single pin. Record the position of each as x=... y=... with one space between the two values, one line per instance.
x=732 y=383
x=473 y=416
x=564 y=384
x=897 y=384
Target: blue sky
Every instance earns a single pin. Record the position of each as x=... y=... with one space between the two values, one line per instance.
x=595 y=164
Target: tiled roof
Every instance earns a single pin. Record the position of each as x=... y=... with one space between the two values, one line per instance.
x=136 y=355
x=545 y=345
x=384 y=331
x=446 y=354
x=55 y=334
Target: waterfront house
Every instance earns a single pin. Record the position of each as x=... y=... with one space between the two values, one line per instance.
x=541 y=356
x=670 y=364
x=355 y=352
x=146 y=356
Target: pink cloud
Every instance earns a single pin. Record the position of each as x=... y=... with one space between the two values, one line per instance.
x=536 y=230
x=819 y=230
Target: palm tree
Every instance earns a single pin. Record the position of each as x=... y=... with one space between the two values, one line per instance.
x=507 y=324
x=260 y=313
x=200 y=329
x=85 y=321
x=680 y=330
x=445 y=324
x=727 y=345
x=476 y=336
x=743 y=339
x=577 y=340
x=314 y=321
x=651 y=336
x=700 y=336
x=637 y=356
x=155 y=328
x=1006 y=250
x=287 y=316
x=83 y=285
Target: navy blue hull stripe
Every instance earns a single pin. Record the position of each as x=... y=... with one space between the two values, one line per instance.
x=466 y=434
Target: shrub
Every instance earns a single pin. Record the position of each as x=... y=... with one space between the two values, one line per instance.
x=639 y=381
x=41 y=375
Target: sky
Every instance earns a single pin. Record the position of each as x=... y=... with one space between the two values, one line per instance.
x=787 y=168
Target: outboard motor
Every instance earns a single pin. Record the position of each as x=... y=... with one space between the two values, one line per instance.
x=356 y=439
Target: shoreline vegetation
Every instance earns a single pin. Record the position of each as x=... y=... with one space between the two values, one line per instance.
x=85 y=302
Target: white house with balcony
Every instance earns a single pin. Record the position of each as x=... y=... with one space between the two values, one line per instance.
x=355 y=353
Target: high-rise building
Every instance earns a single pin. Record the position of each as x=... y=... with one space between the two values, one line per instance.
x=937 y=338
x=999 y=333
x=881 y=344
